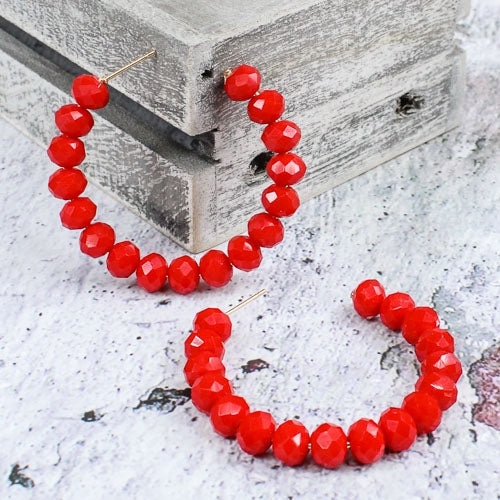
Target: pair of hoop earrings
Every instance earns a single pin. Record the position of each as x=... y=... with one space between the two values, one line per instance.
x=420 y=412
x=152 y=271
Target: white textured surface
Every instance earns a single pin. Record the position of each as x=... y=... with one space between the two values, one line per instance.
x=73 y=339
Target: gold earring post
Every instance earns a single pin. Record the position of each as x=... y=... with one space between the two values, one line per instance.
x=247 y=301
x=151 y=53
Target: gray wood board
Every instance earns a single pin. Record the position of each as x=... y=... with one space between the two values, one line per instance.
x=279 y=37
x=156 y=181
x=199 y=203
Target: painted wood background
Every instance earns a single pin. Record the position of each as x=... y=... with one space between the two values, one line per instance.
x=346 y=98
x=197 y=40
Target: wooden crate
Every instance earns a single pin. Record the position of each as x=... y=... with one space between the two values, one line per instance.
x=366 y=80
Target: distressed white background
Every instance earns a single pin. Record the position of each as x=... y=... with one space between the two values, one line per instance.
x=75 y=340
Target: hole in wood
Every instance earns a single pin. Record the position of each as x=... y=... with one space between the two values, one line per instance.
x=208 y=73
x=259 y=163
x=408 y=104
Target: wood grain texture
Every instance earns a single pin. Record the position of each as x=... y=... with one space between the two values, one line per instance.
x=300 y=43
x=354 y=142
x=154 y=177
x=199 y=203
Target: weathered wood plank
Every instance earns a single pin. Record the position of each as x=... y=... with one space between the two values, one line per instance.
x=155 y=178
x=198 y=203
x=354 y=143
x=352 y=41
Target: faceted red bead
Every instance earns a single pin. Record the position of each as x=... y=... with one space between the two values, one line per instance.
x=255 y=432
x=183 y=275
x=265 y=230
x=97 y=239
x=208 y=389
x=417 y=321
x=266 y=107
x=216 y=268
x=329 y=446
x=73 y=120
x=444 y=363
x=366 y=440
x=242 y=83
x=67 y=183
x=203 y=341
x=434 y=340
x=286 y=169
x=394 y=309
x=213 y=319
x=280 y=201
x=244 y=253
x=152 y=272
x=398 y=428
x=66 y=151
x=89 y=92
x=227 y=413
x=424 y=410
x=78 y=213
x=291 y=443
x=123 y=259
x=201 y=363
x=367 y=298
x=281 y=136
x=439 y=386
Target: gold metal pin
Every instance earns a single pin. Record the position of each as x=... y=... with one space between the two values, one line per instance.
x=246 y=301
x=151 y=53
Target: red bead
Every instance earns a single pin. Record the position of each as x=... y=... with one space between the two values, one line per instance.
x=439 y=386
x=434 y=340
x=183 y=275
x=78 y=213
x=291 y=443
x=417 y=321
x=242 y=83
x=203 y=340
x=265 y=230
x=244 y=253
x=89 y=92
x=216 y=268
x=67 y=183
x=266 y=107
x=123 y=259
x=97 y=239
x=280 y=201
x=208 y=389
x=202 y=363
x=329 y=446
x=255 y=432
x=213 y=319
x=424 y=410
x=367 y=298
x=444 y=363
x=152 y=272
x=66 y=151
x=227 y=413
x=73 y=120
x=286 y=169
x=394 y=309
x=398 y=428
x=366 y=440
x=281 y=136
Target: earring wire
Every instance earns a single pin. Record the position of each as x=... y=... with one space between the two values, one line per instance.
x=151 y=53
x=246 y=302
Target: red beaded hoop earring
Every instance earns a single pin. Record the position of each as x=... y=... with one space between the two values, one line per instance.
x=183 y=274
x=419 y=413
